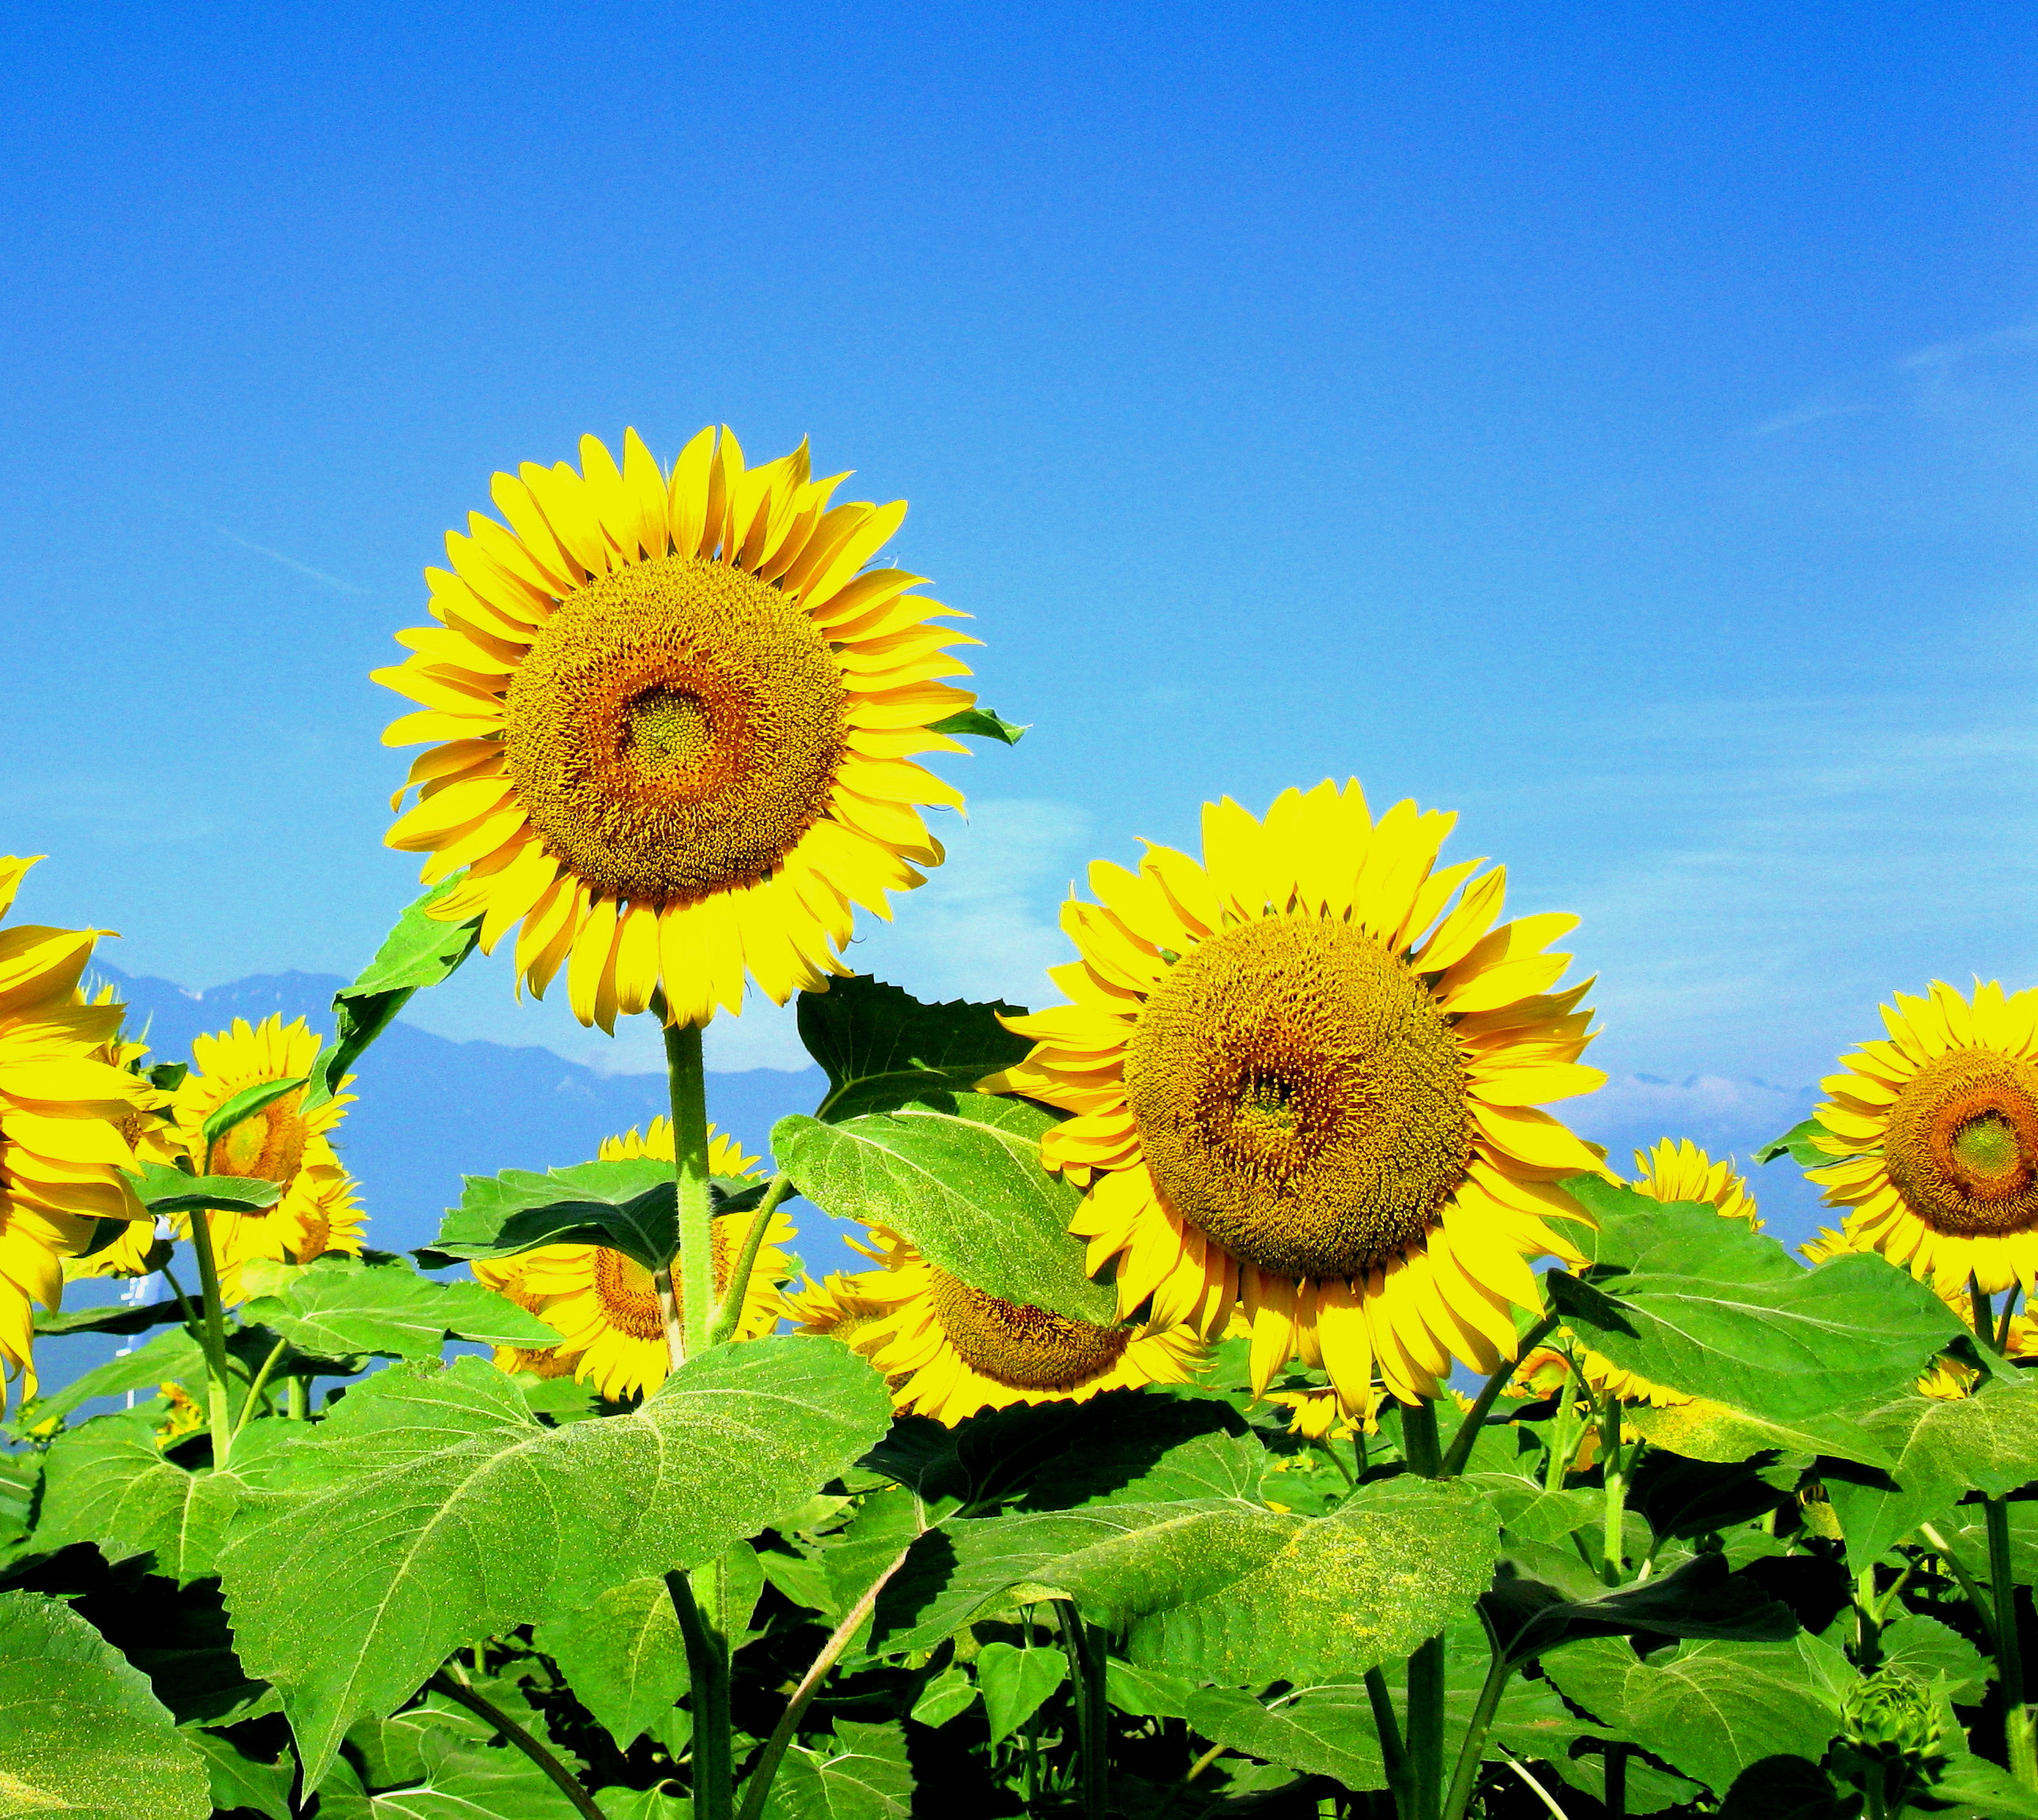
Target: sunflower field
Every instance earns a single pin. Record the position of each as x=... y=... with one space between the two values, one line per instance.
x=1255 y=1402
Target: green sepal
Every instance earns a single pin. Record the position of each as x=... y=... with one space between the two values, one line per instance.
x=882 y=1048
x=245 y=1104
x=979 y=723
x=167 y=1077
x=417 y=953
x=1797 y=1143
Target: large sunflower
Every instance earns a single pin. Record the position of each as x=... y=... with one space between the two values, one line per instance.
x=1935 y=1133
x=63 y=1106
x=948 y=1350
x=153 y=1132
x=317 y=1210
x=607 y=1305
x=679 y=716
x=1301 y=1095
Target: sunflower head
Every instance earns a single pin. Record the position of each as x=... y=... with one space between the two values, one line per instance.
x=1934 y=1133
x=1304 y=1073
x=675 y=719
x=725 y=1154
x=1678 y=1170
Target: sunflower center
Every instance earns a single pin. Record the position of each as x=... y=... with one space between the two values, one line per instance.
x=1018 y=1345
x=676 y=730
x=1300 y=1096
x=269 y=1146
x=1962 y=1144
x=628 y=1294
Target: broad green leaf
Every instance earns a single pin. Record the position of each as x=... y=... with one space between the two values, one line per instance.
x=240 y=1781
x=950 y=1694
x=1937 y=1449
x=163 y=1189
x=1699 y=1598
x=1317 y=1731
x=629 y=1205
x=1713 y=1709
x=883 y=1049
x=106 y=1483
x=965 y=1185
x=979 y=723
x=866 y=1776
x=1528 y=1512
x=417 y=953
x=642 y=1804
x=169 y=1358
x=244 y=1105
x=727 y=1590
x=1701 y=1304
x=1015 y=1683
x=338 y=1306
x=1704 y=1430
x=110 y=1317
x=1798 y=1144
x=432 y=1508
x=1971 y=1788
x=461 y=1781
x=622 y=1653
x=80 y=1733
x=887 y=1524
x=1964 y=1529
x=1924 y=1647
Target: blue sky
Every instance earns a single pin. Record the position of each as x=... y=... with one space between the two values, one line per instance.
x=1617 y=423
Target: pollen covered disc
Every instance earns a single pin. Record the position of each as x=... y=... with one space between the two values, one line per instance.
x=1018 y=1345
x=269 y=1146
x=1962 y=1144
x=1300 y=1096
x=676 y=730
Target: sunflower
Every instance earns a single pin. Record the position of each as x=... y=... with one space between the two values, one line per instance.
x=63 y=1108
x=1935 y=1136
x=1320 y=1415
x=948 y=1350
x=317 y=1210
x=680 y=717
x=153 y=1132
x=844 y=1306
x=607 y=1305
x=1303 y=1091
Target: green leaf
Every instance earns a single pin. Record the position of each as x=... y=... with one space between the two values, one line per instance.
x=887 y=1524
x=245 y=1104
x=1973 y=1788
x=965 y=1185
x=1317 y=1731
x=336 y=1306
x=1529 y=1513
x=1704 y=1430
x=81 y=1734
x=458 y=1780
x=950 y=1695
x=1712 y=1709
x=642 y=1804
x=884 y=1048
x=245 y=1782
x=169 y=1358
x=865 y=1777
x=431 y=1508
x=629 y=1205
x=1015 y=1683
x=1701 y=1304
x=1797 y=1143
x=110 y=1317
x=1937 y=1449
x=622 y=1653
x=163 y=1189
x=1924 y=1647
x=418 y=952
x=106 y=1483
x=978 y=723
x=1146 y=1693
x=1965 y=1530
x=1700 y=1599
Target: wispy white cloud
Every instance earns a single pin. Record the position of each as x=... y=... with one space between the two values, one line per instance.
x=1806 y=415
x=119 y=811
x=289 y=562
x=1948 y=353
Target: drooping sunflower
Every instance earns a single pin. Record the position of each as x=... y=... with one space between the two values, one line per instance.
x=63 y=1106
x=679 y=716
x=607 y=1305
x=1306 y=1090
x=948 y=1350
x=844 y=1306
x=318 y=1211
x=1934 y=1133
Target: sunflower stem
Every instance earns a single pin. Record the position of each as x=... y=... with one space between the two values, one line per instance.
x=1418 y=1440
x=1472 y=1753
x=220 y=1407
x=484 y=1709
x=261 y=1382
x=1467 y=1437
x=1616 y=1781
x=298 y=1391
x=1981 y=1312
x=1984 y=1608
x=1613 y=1551
x=2002 y=1326
x=1087 y=1671
x=1393 y=1754
x=707 y=1671
x=1425 y=1727
x=2008 y=1645
x=696 y=1212
x=729 y=1317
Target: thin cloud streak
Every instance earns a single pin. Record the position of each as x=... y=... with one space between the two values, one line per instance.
x=289 y=562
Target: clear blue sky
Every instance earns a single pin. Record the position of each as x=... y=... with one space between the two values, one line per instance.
x=1618 y=423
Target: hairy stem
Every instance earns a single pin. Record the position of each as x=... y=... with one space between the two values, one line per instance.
x=1425 y=1667
x=1393 y=1754
x=696 y=1258
x=562 y=1778
x=759 y=1787
x=1467 y=1436
x=214 y=1338
x=730 y=1315
x=1616 y=1782
x=707 y=1669
x=1613 y=1551
x=1981 y=1312
x=1086 y=1672
x=256 y=1389
x=1472 y=1752
x=1984 y=1607
x=2009 y=1645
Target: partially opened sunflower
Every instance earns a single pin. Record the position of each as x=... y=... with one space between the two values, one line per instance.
x=676 y=719
x=318 y=1211
x=606 y=1304
x=1934 y=1135
x=1304 y=1085
x=63 y=1108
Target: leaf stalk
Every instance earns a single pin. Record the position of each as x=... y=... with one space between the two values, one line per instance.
x=483 y=1708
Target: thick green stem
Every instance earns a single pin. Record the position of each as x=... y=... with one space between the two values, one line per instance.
x=1616 y=1782
x=2003 y=1320
x=1425 y=1667
x=214 y=1338
x=2009 y=1645
x=513 y=1734
x=1981 y=1312
x=1867 y=1623
x=1086 y=1673
x=707 y=1669
x=1984 y=1607
x=1613 y=1549
x=261 y=1382
x=1472 y=1752
x=1467 y=1436
x=696 y=1257
x=1393 y=1754
x=297 y=1395
x=1563 y=1437
x=1418 y=1438
x=728 y=1316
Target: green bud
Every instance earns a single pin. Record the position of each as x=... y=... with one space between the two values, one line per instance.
x=1893 y=1713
